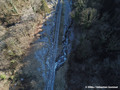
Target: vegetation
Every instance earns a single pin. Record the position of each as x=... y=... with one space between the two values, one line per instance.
x=2 y=77
x=12 y=10
x=44 y=6
x=97 y=24
x=18 y=21
x=96 y=45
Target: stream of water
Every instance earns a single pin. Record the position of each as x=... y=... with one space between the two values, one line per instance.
x=47 y=55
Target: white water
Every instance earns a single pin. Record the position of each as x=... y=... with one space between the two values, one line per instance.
x=48 y=53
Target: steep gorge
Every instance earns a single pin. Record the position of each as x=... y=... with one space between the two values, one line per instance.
x=68 y=46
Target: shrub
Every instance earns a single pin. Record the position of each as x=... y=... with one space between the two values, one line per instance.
x=12 y=77
x=13 y=61
x=13 y=47
x=2 y=76
x=88 y=16
x=44 y=6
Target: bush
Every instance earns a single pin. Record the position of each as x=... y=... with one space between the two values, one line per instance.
x=13 y=48
x=88 y=16
x=44 y=6
x=11 y=10
x=2 y=76
x=83 y=14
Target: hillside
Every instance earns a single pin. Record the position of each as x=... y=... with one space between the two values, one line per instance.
x=19 y=22
x=96 y=46
x=59 y=44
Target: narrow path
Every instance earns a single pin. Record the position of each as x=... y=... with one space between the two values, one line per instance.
x=52 y=65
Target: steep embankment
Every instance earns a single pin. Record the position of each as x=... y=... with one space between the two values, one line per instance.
x=39 y=68
x=20 y=21
x=95 y=57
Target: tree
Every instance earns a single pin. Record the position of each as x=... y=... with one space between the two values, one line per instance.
x=44 y=6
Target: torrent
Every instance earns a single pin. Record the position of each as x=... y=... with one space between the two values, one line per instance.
x=48 y=55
